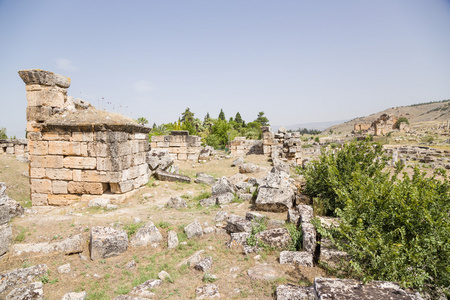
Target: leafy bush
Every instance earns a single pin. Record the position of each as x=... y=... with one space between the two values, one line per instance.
x=334 y=171
x=393 y=229
x=296 y=243
x=399 y=121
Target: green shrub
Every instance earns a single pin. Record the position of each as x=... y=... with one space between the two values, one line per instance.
x=393 y=229
x=333 y=171
x=132 y=228
x=399 y=121
x=296 y=243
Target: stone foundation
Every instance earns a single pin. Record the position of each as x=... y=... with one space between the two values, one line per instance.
x=180 y=145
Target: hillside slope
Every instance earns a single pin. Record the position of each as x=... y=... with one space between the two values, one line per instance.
x=417 y=113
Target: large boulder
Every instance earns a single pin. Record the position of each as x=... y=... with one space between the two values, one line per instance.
x=274 y=199
x=205 y=179
x=249 y=168
x=278 y=238
x=107 y=242
x=193 y=229
x=147 y=235
x=237 y=223
x=177 y=203
x=222 y=186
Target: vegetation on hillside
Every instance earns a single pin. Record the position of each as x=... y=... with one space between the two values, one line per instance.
x=214 y=132
x=392 y=229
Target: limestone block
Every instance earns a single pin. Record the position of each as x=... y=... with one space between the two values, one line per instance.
x=64 y=148
x=147 y=235
x=19 y=149
x=172 y=239
x=162 y=145
x=59 y=174
x=38 y=113
x=34 y=136
x=59 y=200
x=46 y=97
x=39 y=199
x=94 y=176
x=134 y=146
x=138 y=159
x=290 y=292
x=75 y=162
x=33 y=290
x=10 y=150
x=193 y=157
x=107 y=242
x=309 y=237
x=193 y=229
x=92 y=188
x=56 y=136
x=42 y=77
x=84 y=149
x=277 y=238
x=157 y=138
x=123 y=148
x=141 y=180
x=59 y=187
x=41 y=186
x=76 y=174
x=34 y=87
x=21 y=276
x=144 y=146
x=237 y=223
x=301 y=258
x=98 y=149
x=5 y=238
x=37 y=172
x=122 y=187
x=141 y=136
x=82 y=137
x=110 y=136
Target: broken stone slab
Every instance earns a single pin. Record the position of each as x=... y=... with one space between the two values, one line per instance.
x=34 y=291
x=274 y=223
x=42 y=77
x=204 y=178
x=191 y=260
x=205 y=264
x=309 y=237
x=166 y=176
x=5 y=238
x=68 y=246
x=172 y=239
x=221 y=216
x=143 y=290
x=295 y=292
x=278 y=238
x=243 y=186
x=277 y=179
x=245 y=196
x=19 y=277
x=107 y=242
x=64 y=269
x=238 y=239
x=237 y=223
x=254 y=216
x=263 y=272
x=193 y=229
x=274 y=199
x=177 y=203
x=75 y=296
x=237 y=162
x=222 y=186
x=99 y=202
x=332 y=257
x=225 y=198
x=293 y=216
x=208 y=201
x=306 y=213
x=159 y=159
x=147 y=235
x=349 y=289
x=248 y=168
x=301 y=258
x=207 y=291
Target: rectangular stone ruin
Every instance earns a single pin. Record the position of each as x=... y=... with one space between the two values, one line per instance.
x=75 y=149
x=179 y=144
x=14 y=147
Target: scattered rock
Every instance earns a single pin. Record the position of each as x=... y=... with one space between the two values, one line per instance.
x=34 y=291
x=143 y=290
x=20 y=277
x=224 y=198
x=204 y=264
x=221 y=216
x=164 y=275
x=130 y=264
x=238 y=239
x=295 y=292
x=204 y=178
x=274 y=199
x=306 y=213
x=263 y=272
x=278 y=238
x=75 y=296
x=111 y=207
x=254 y=216
x=208 y=230
x=194 y=229
x=237 y=223
x=249 y=168
x=222 y=186
x=192 y=260
x=172 y=239
x=208 y=201
x=293 y=216
x=237 y=162
x=166 y=176
x=107 y=242
x=177 y=203
x=309 y=237
x=70 y=245
x=271 y=224
x=245 y=196
x=5 y=238
x=301 y=258
x=98 y=202
x=207 y=291
x=147 y=235
x=64 y=269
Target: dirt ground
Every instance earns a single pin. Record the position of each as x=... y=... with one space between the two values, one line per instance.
x=108 y=278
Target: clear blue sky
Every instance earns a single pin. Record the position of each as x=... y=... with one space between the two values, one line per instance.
x=298 y=61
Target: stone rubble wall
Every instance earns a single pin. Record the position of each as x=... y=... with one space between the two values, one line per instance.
x=14 y=147
x=180 y=147
x=410 y=155
x=240 y=146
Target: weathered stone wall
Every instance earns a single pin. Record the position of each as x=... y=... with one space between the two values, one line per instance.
x=180 y=145
x=15 y=147
x=75 y=149
x=241 y=146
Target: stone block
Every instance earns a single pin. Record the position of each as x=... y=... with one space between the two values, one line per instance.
x=123 y=148
x=76 y=162
x=84 y=149
x=82 y=137
x=10 y=150
x=294 y=292
x=37 y=172
x=50 y=161
x=147 y=235
x=38 y=147
x=92 y=188
x=141 y=136
x=59 y=174
x=99 y=149
x=107 y=242
x=39 y=199
x=166 y=176
x=94 y=176
x=277 y=238
x=76 y=174
x=38 y=113
x=46 y=97
x=193 y=229
x=122 y=187
x=56 y=136
x=138 y=159
x=34 y=136
x=64 y=148
x=141 y=180
x=301 y=258
x=60 y=200
x=110 y=136
x=41 y=186
x=162 y=145
x=59 y=187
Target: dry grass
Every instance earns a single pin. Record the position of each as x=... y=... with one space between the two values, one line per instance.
x=12 y=173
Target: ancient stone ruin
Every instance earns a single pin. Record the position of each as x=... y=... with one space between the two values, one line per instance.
x=179 y=144
x=381 y=126
x=16 y=147
x=75 y=149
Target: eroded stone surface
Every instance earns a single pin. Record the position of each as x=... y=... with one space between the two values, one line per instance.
x=237 y=223
x=263 y=272
x=278 y=238
x=172 y=239
x=70 y=245
x=32 y=291
x=177 y=203
x=147 y=235
x=194 y=229
x=207 y=291
x=21 y=277
x=75 y=296
x=222 y=186
x=295 y=292
x=301 y=258
x=107 y=242
x=205 y=179
x=143 y=290
x=205 y=264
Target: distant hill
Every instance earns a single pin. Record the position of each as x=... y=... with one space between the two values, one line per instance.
x=313 y=125
x=438 y=111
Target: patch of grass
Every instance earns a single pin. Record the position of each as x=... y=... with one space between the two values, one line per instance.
x=132 y=228
x=209 y=278
x=20 y=237
x=122 y=289
x=236 y=199
x=296 y=243
x=98 y=295
x=202 y=195
x=164 y=224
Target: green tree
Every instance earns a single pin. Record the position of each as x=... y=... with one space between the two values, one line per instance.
x=187 y=115
x=3 y=135
x=238 y=118
x=399 y=121
x=142 y=121
x=221 y=115
x=261 y=119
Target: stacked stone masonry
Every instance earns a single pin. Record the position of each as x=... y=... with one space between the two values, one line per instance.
x=73 y=158
x=15 y=147
x=180 y=145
